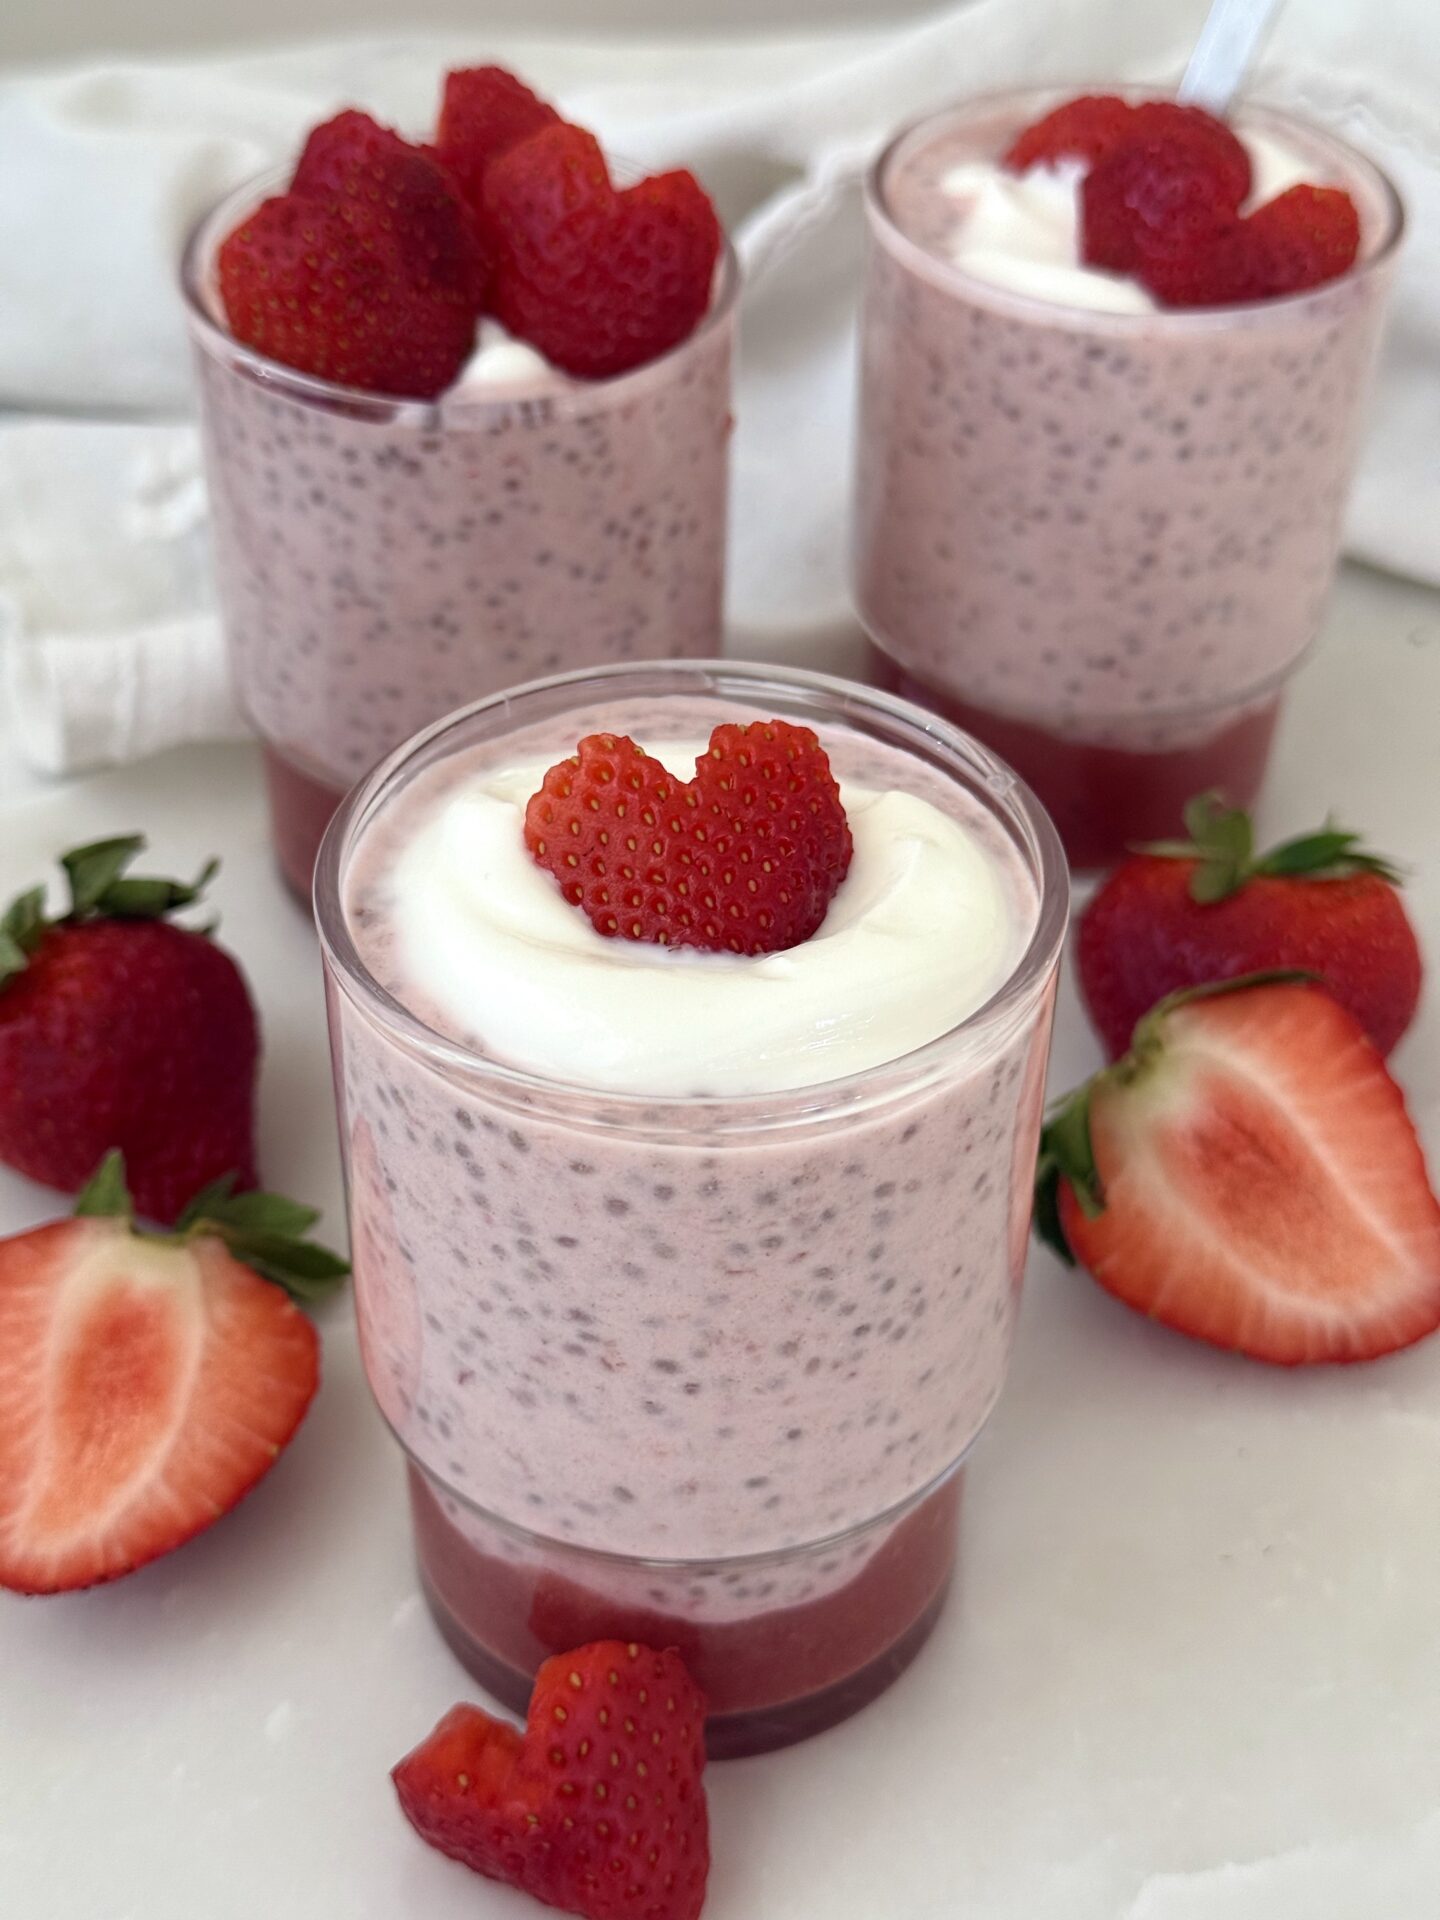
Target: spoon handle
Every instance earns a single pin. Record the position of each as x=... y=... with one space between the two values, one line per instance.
x=1228 y=40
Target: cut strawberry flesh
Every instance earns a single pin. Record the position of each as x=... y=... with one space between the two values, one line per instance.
x=745 y=857
x=143 y=1390
x=1081 y=129
x=1264 y=1187
x=598 y=1808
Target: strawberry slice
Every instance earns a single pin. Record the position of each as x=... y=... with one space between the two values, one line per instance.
x=483 y=112
x=1085 y=128
x=745 y=858
x=1248 y=1174
x=600 y=279
x=598 y=1808
x=146 y=1381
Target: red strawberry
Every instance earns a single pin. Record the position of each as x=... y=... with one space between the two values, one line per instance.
x=1095 y=125
x=1082 y=129
x=599 y=280
x=1150 y=199
x=367 y=272
x=745 y=857
x=1301 y=239
x=1184 y=912
x=400 y=201
x=146 y=1382
x=1220 y=273
x=598 y=1808
x=483 y=111
x=1200 y=134
x=1248 y=1175
x=118 y=1029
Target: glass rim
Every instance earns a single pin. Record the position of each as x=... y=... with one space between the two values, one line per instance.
x=452 y=407
x=1179 y=320
x=753 y=1561
x=718 y=1115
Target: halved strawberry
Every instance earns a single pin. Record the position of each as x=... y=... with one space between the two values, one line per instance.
x=745 y=857
x=1248 y=1174
x=598 y=1808
x=147 y=1381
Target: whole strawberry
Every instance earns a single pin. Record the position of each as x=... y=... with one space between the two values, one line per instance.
x=148 y=1380
x=119 y=1029
x=1181 y=913
x=597 y=1808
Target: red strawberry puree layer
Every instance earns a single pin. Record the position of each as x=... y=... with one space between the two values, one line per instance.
x=380 y=564
x=608 y=1346
x=1110 y=531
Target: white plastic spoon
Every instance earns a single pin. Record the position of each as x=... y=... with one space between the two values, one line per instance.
x=1228 y=41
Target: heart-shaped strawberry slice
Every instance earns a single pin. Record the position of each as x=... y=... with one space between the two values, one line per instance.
x=598 y=1808
x=599 y=280
x=743 y=858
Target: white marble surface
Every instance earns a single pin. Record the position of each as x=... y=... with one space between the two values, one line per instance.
x=1191 y=1670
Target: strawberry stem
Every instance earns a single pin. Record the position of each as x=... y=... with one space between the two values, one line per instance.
x=1222 y=844
x=265 y=1231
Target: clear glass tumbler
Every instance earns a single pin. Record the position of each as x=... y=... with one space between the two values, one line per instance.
x=701 y=1371
x=1102 y=541
x=381 y=561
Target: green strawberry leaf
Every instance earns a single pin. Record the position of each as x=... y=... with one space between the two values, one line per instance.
x=267 y=1232
x=101 y=888
x=21 y=931
x=264 y=1231
x=1066 y=1153
x=106 y=1196
x=262 y=1213
x=93 y=869
x=1222 y=844
x=1331 y=854
x=207 y=1202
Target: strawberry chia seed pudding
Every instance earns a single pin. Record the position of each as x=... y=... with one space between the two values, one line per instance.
x=687 y=1304
x=382 y=560
x=1097 y=531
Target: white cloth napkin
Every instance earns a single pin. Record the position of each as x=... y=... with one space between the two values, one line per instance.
x=109 y=647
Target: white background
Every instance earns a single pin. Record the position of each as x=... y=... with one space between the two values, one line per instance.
x=38 y=29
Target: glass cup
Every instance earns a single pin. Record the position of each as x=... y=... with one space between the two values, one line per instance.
x=699 y=1371
x=381 y=561
x=1102 y=541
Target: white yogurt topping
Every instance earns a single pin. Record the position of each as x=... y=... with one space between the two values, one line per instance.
x=500 y=362
x=922 y=931
x=1022 y=230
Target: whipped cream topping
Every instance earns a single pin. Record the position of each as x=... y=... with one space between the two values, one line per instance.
x=1022 y=230
x=922 y=931
x=500 y=362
